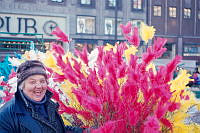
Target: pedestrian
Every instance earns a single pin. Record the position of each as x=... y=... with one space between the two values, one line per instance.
x=176 y=73
x=32 y=110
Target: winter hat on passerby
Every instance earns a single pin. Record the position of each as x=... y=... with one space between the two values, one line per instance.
x=29 y=68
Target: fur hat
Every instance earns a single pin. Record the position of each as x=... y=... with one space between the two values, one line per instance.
x=29 y=68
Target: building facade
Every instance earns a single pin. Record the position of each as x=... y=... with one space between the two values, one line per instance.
x=87 y=22
x=179 y=21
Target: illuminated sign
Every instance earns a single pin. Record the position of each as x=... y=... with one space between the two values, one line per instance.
x=191 y=54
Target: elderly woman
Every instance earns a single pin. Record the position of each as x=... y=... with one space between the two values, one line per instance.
x=31 y=110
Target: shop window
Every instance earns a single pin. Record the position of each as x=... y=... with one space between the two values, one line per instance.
x=157 y=11
x=191 y=49
x=85 y=25
x=112 y=42
x=110 y=26
x=168 y=53
x=136 y=23
x=47 y=45
x=187 y=13
x=172 y=12
x=137 y=4
x=111 y=4
x=9 y=45
x=87 y=3
x=91 y=44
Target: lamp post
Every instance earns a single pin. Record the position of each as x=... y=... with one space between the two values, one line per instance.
x=116 y=16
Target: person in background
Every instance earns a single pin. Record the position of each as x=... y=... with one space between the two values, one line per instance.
x=32 y=110
x=198 y=78
x=194 y=77
x=176 y=73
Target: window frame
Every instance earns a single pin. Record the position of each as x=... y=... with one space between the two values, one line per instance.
x=157 y=15
x=137 y=9
x=86 y=16
x=91 y=5
x=138 y=21
x=172 y=14
x=113 y=8
x=186 y=16
x=191 y=48
x=120 y=20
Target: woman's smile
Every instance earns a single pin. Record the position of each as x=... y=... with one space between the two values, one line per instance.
x=35 y=87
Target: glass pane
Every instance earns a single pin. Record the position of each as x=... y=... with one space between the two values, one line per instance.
x=186 y=49
x=191 y=49
x=136 y=23
x=86 y=25
x=119 y=31
x=154 y=11
x=172 y=12
x=137 y=4
x=79 y=44
x=112 y=3
x=157 y=10
x=110 y=26
x=187 y=13
x=88 y=2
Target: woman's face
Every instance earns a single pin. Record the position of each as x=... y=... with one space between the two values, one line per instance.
x=35 y=87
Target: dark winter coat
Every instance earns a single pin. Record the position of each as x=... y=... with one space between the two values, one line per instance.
x=18 y=116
